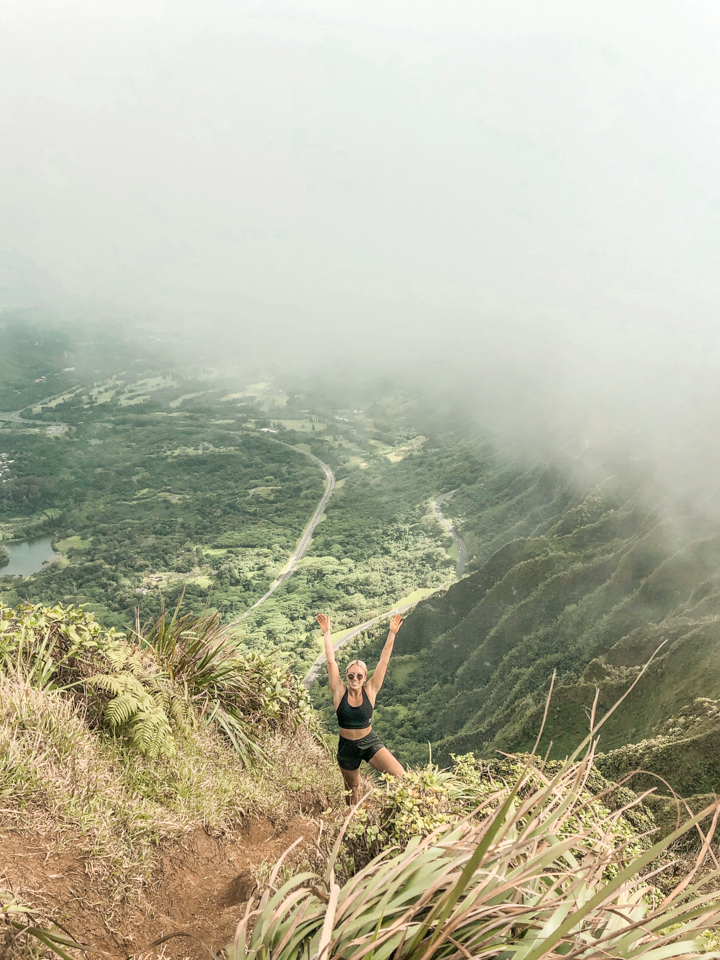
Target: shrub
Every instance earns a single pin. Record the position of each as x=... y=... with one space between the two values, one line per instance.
x=178 y=672
x=533 y=875
x=426 y=799
x=238 y=693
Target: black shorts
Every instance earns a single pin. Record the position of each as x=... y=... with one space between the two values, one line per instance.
x=351 y=753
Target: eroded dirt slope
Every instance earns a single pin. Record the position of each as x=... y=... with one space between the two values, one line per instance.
x=200 y=885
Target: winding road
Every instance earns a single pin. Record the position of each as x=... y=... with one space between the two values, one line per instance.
x=307 y=533
x=14 y=416
x=314 y=671
x=457 y=540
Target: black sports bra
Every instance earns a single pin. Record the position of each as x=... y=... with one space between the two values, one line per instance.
x=354 y=718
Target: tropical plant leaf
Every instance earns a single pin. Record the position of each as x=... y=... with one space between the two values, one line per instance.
x=531 y=880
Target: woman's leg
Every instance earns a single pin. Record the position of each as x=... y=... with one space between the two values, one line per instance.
x=385 y=762
x=352 y=786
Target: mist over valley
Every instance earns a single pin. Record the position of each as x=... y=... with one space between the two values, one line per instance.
x=314 y=309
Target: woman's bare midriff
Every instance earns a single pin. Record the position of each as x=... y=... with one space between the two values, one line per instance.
x=355 y=734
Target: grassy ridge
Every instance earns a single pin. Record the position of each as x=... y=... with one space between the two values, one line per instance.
x=71 y=761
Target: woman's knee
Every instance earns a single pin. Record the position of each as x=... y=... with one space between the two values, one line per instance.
x=385 y=762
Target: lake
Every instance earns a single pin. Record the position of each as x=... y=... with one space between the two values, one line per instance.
x=28 y=557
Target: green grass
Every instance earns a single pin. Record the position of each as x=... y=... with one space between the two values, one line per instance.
x=301 y=425
x=403 y=667
x=73 y=543
x=56 y=773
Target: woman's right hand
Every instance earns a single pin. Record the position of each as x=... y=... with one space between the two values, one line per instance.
x=324 y=622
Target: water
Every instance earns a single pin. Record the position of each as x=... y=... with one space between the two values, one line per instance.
x=28 y=557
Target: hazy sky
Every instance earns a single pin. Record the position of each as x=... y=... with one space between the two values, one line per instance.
x=507 y=186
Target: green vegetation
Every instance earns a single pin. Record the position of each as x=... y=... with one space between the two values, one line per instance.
x=164 y=483
x=152 y=691
x=592 y=594
x=68 y=762
x=541 y=870
x=428 y=799
x=168 y=482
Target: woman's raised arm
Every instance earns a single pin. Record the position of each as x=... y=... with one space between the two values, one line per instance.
x=336 y=684
x=376 y=680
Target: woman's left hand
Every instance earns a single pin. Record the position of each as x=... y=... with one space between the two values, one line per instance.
x=395 y=623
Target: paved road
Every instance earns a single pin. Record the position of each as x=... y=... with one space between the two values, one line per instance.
x=306 y=537
x=314 y=671
x=14 y=416
x=457 y=540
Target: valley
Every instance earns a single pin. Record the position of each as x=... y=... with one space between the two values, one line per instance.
x=156 y=489
x=271 y=503
x=169 y=482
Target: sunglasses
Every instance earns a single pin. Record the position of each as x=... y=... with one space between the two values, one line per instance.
x=355 y=676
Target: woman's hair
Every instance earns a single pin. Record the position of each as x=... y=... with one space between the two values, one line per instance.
x=360 y=663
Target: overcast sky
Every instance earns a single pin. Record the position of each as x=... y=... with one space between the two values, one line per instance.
x=507 y=186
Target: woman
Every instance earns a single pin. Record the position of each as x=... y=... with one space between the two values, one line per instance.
x=354 y=704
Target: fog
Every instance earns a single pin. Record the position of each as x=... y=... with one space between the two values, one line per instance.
x=519 y=199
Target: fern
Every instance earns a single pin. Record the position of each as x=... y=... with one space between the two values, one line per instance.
x=179 y=672
x=143 y=705
x=151 y=732
x=122 y=656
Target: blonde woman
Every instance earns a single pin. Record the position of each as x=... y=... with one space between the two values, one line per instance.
x=354 y=703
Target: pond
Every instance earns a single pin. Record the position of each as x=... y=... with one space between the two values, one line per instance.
x=28 y=557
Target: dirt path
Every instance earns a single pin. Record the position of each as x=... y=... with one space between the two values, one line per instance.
x=200 y=885
x=307 y=533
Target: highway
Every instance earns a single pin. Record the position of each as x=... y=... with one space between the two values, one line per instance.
x=304 y=541
x=14 y=416
x=457 y=539
x=315 y=669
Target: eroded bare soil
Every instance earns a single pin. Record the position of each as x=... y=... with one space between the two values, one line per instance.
x=200 y=885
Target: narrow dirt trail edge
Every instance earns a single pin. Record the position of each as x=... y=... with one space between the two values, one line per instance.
x=199 y=884
x=304 y=541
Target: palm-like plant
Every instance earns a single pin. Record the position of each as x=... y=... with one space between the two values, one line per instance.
x=238 y=693
x=517 y=880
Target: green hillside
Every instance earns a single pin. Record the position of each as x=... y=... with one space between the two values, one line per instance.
x=167 y=480
x=592 y=597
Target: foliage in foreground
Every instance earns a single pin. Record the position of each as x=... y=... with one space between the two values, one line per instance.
x=20 y=925
x=428 y=799
x=179 y=672
x=529 y=877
